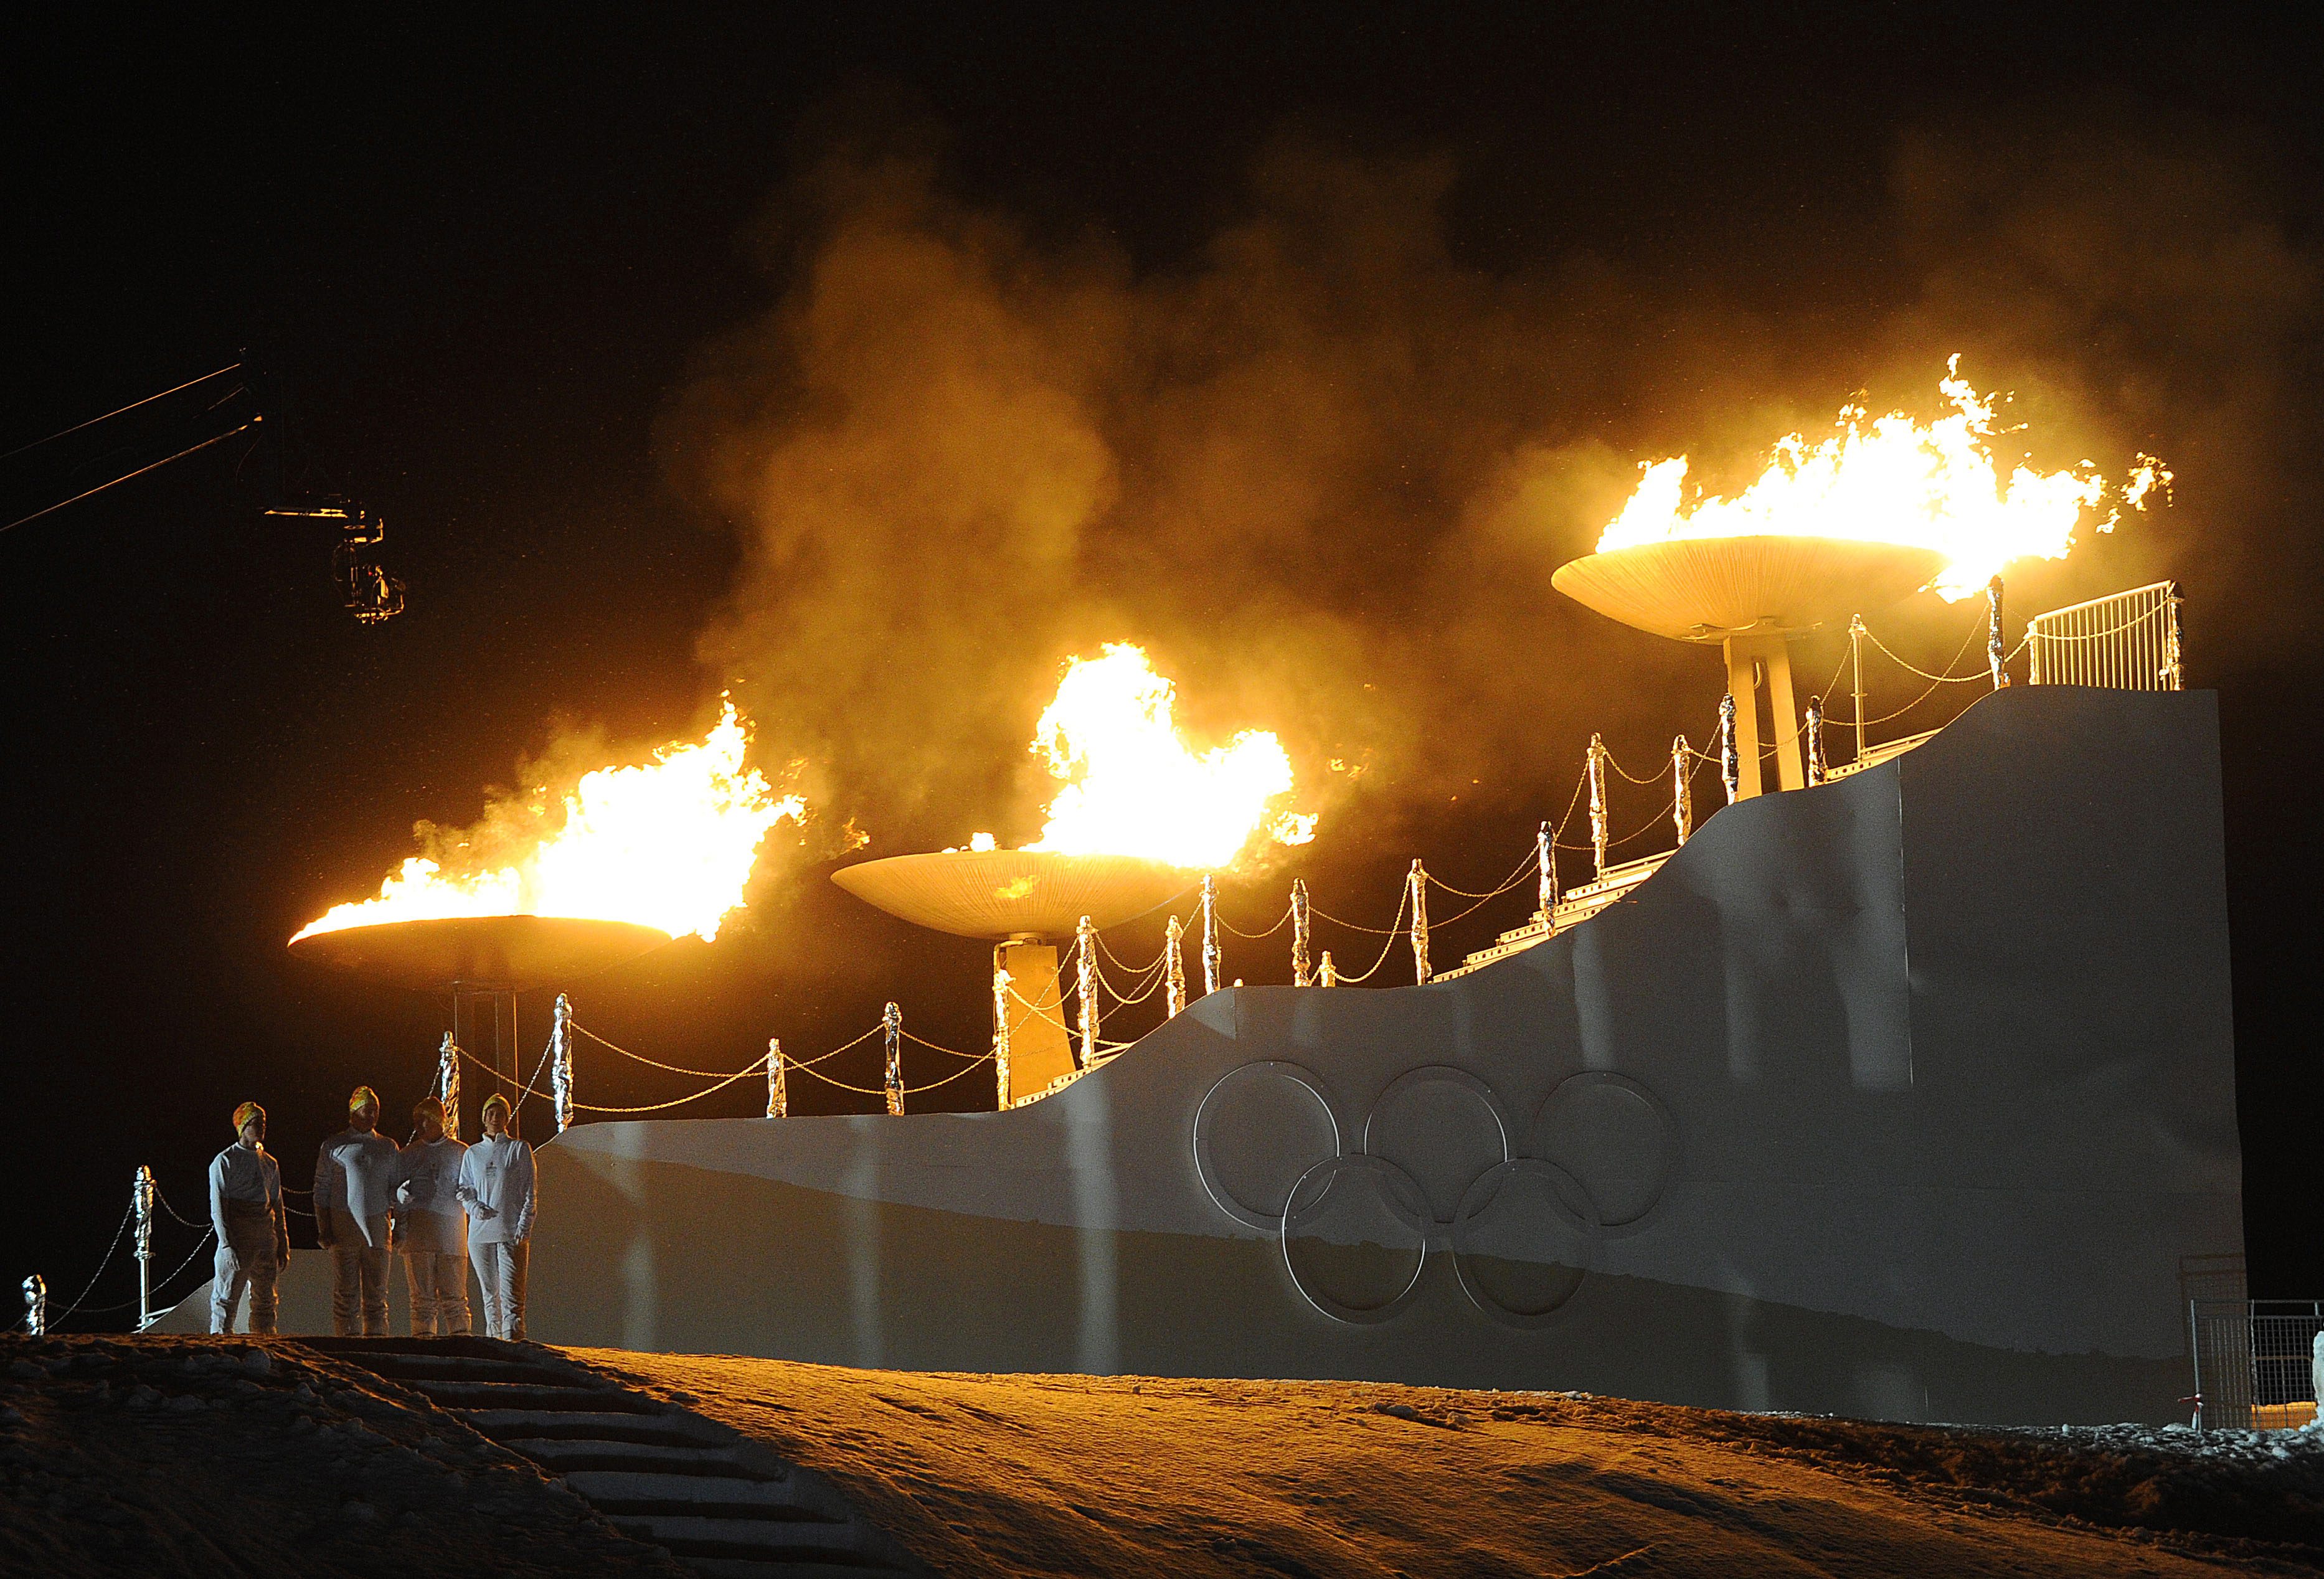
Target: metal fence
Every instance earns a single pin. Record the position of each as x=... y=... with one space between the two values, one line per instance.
x=2128 y=641
x=2256 y=1361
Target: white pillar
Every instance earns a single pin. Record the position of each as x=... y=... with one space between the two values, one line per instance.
x=1856 y=662
x=1817 y=772
x=447 y=1084
x=140 y=1198
x=1000 y=979
x=1598 y=801
x=2174 y=676
x=36 y=1306
x=1420 y=884
x=779 y=1096
x=1299 y=978
x=1544 y=853
x=1683 y=791
x=891 y=1019
x=1730 y=769
x=1174 y=979
x=1085 y=945
x=560 y=1062
x=1995 y=652
x=1211 y=960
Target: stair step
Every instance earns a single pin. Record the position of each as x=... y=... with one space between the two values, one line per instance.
x=760 y=1499
x=644 y=1457
x=785 y=1568
x=667 y=1430
x=561 y=1399
x=613 y=1506
x=455 y=1367
x=762 y=1538
x=659 y=1473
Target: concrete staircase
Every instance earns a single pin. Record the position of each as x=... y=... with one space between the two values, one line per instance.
x=715 y=1500
x=1577 y=906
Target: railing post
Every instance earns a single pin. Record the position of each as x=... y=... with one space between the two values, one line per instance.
x=1328 y=974
x=1174 y=977
x=2174 y=674
x=1001 y=980
x=1419 y=882
x=1681 y=791
x=560 y=1061
x=1598 y=801
x=1085 y=936
x=1299 y=932
x=141 y=1199
x=1545 y=855
x=1856 y=659
x=1211 y=960
x=447 y=1084
x=1995 y=652
x=1730 y=769
x=1817 y=772
x=892 y=1020
x=36 y=1306
x=779 y=1096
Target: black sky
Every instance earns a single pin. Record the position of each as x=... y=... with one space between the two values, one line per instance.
x=483 y=266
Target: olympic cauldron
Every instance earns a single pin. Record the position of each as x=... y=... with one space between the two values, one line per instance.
x=1022 y=902
x=1751 y=595
x=484 y=961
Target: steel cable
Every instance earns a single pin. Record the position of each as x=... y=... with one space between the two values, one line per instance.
x=1516 y=876
x=1281 y=921
x=90 y=1286
x=172 y=1211
x=1395 y=933
x=1924 y=674
x=133 y=405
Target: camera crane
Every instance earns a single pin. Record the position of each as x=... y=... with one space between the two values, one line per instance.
x=365 y=589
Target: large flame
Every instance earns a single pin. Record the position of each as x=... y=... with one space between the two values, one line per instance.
x=669 y=844
x=1133 y=787
x=1891 y=479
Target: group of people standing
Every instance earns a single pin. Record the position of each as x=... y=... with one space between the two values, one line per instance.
x=441 y=1205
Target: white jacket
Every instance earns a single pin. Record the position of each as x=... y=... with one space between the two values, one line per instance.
x=247 y=1177
x=427 y=1216
x=356 y=1173
x=496 y=1183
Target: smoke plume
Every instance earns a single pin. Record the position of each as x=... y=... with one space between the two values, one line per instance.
x=1322 y=465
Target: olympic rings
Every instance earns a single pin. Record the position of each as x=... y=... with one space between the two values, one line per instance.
x=1438 y=1169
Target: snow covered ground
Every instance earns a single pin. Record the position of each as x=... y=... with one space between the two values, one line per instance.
x=1070 y=1474
x=177 y=1456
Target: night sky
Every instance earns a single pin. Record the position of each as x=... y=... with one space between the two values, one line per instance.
x=870 y=366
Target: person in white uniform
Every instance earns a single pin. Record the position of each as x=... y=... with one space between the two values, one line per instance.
x=430 y=1228
x=356 y=1175
x=497 y=1187
x=246 y=1214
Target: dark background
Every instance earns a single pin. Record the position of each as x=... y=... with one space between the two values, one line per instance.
x=480 y=266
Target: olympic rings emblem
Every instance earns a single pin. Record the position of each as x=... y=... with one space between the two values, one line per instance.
x=1438 y=1168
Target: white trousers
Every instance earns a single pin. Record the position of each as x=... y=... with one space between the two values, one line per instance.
x=251 y=1267
x=439 y=1285
x=500 y=1274
x=358 y=1275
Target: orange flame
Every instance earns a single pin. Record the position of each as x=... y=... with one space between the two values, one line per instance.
x=1131 y=785
x=1891 y=479
x=667 y=844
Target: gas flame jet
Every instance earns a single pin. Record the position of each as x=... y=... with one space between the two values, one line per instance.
x=668 y=843
x=1131 y=785
x=1891 y=479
